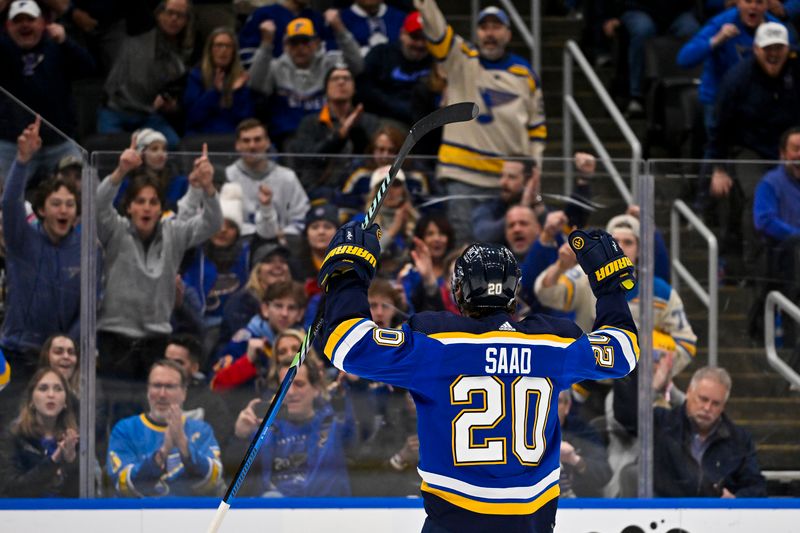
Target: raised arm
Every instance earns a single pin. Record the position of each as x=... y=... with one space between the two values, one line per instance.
x=15 y=224
x=108 y=220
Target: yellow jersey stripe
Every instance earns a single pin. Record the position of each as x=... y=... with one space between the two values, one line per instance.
x=440 y=49
x=494 y=508
x=5 y=377
x=503 y=334
x=150 y=425
x=689 y=347
x=569 y=285
x=334 y=338
x=462 y=157
x=539 y=132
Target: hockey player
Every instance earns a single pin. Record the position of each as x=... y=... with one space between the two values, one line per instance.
x=485 y=386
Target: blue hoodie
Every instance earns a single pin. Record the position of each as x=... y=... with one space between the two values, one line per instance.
x=720 y=59
x=43 y=278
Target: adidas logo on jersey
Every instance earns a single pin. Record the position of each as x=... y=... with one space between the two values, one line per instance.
x=506 y=327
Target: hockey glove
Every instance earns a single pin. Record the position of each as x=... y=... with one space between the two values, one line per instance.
x=351 y=248
x=600 y=256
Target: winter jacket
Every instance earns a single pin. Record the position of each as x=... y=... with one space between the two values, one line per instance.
x=753 y=109
x=729 y=461
x=41 y=77
x=26 y=470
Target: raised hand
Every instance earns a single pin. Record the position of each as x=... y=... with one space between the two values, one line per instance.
x=219 y=79
x=56 y=32
x=721 y=183
x=202 y=174
x=175 y=428
x=352 y=118
x=333 y=20
x=727 y=31
x=264 y=195
x=29 y=142
x=267 y=29
x=585 y=163
x=421 y=255
x=69 y=445
x=605 y=264
x=247 y=421
x=566 y=258
x=128 y=160
x=553 y=225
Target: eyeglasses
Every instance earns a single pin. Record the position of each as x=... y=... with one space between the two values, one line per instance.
x=341 y=77
x=168 y=387
x=177 y=14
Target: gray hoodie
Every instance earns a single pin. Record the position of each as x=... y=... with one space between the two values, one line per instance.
x=139 y=281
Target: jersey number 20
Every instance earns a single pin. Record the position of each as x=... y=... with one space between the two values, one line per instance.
x=530 y=396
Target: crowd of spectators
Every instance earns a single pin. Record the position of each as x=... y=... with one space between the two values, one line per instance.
x=207 y=278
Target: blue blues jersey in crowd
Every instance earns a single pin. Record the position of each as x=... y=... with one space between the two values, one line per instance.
x=134 y=471
x=486 y=392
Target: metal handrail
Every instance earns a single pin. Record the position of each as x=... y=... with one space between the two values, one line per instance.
x=572 y=52
x=709 y=298
x=532 y=36
x=776 y=299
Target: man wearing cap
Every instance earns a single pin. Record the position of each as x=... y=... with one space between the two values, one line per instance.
x=372 y=22
x=281 y=14
x=509 y=94
x=563 y=286
x=294 y=81
x=391 y=70
x=758 y=100
x=38 y=62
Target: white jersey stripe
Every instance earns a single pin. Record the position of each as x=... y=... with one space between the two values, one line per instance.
x=624 y=343
x=491 y=493
x=350 y=340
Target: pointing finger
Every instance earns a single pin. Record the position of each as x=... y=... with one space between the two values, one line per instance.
x=133 y=141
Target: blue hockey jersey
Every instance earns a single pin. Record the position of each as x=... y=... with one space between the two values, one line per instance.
x=133 y=470
x=486 y=390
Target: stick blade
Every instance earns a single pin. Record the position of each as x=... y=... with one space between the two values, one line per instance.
x=218 y=517
x=460 y=112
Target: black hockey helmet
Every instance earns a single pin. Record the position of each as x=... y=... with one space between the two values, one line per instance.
x=488 y=276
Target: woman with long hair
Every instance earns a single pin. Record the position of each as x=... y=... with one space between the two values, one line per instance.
x=40 y=459
x=60 y=353
x=217 y=97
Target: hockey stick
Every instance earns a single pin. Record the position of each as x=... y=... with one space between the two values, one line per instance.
x=460 y=112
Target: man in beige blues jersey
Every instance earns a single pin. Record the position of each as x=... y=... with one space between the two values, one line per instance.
x=508 y=91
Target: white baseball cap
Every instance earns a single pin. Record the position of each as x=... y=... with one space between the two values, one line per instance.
x=24 y=7
x=769 y=33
